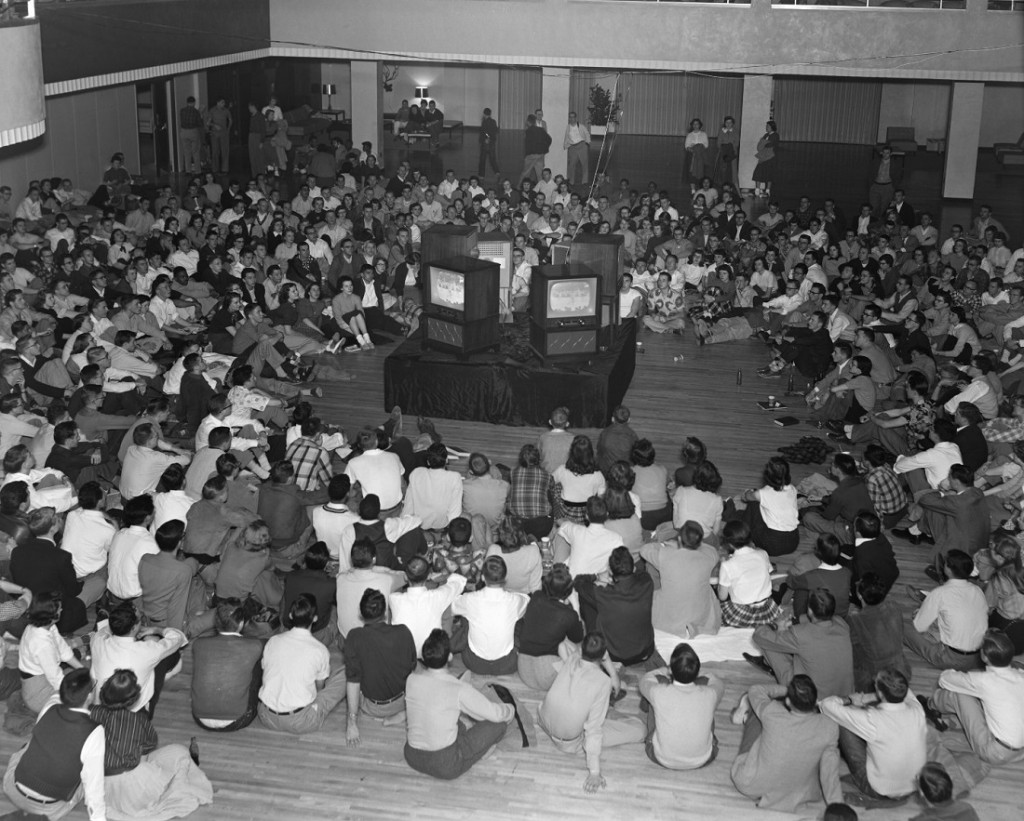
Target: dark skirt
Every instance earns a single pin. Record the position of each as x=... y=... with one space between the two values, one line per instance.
x=766 y=171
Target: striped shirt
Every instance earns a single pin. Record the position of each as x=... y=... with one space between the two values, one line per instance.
x=129 y=737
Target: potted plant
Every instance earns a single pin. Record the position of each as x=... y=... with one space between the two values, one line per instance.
x=604 y=111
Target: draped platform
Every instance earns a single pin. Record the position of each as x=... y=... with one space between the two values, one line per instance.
x=500 y=389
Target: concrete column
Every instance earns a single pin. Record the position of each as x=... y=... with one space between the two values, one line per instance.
x=367 y=104
x=961 y=161
x=757 y=106
x=555 y=102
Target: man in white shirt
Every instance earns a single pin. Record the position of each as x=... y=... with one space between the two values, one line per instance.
x=377 y=471
x=143 y=464
x=184 y=257
x=840 y=325
x=152 y=653
x=927 y=469
x=448 y=186
x=298 y=691
x=885 y=745
x=989 y=704
x=331 y=519
x=978 y=392
x=585 y=549
x=422 y=609
x=958 y=611
x=363 y=575
x=88 y=534
x=318 y=249
x=485 y=633
x=577 y=145
x=128 y=547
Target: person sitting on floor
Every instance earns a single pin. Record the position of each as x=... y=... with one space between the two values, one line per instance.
x=485 y=622
x=685 y=603
x=936 y=790
x=313 y=579
x=959 y=612
x=62 y=764
x=621 y=609
x=438 y=743
x=226 y=673
x=549 y=626
x=681 y=714
x=299 y=691
x=876 y=634
x=882 y=737
x=788 y=756
x=828 y=573
x=819 y=648
x=379 y=657
x=744 y=581
x=575 y=711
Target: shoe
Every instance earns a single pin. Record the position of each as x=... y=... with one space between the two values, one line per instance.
x=352 y=348
x=769 y=375
x=904 y=533
x=318 y=392
x=933 y=716
x=841 y=438
x=814 y=424
x=834 y=425
x=759 y=662
x=742 y=711
x=933 y=573
x=915 y=593
x=193 y=750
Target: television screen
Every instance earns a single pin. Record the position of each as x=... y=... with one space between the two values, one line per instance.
x=448 y=289
x=572 y=298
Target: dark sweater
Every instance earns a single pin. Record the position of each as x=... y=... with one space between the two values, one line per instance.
x=52 y=764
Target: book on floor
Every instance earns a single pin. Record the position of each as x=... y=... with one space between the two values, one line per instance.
x=786 y=421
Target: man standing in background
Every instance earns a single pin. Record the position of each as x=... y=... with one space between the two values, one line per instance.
x=190 y=127
x=488 y=143
x=219 y=121
x=729 y=151
x=257 y=130
x=537 y=143
x=577 y=144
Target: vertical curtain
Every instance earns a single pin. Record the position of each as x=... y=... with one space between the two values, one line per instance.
x=827 y=110
x=519 y=94
x=711 y=98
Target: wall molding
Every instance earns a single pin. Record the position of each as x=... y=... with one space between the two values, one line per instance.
x=498 y=60
x=21 y=134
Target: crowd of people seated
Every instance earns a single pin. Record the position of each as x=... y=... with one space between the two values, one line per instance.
x=169 y=490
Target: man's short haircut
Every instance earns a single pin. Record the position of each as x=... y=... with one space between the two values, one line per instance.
x=597 y=510
x=12 y=496
x=828 y=548
x=228 y=618
x=219 y=437
x=867 y=524
x=875 y=455
x=364 y=553
x=863 y=365
x=89 y=495
x=437 y=456
x=142 y=434
x=479 y=465
x=168 y=535
x=846 y=464
x=227 y=465
x=369 y=507
x=339 y=487
x=214 y=486
x=437 y=649
x=373 y=605
x=935 y=783
x=303 y=611
x=821 y=603
x=962 y=474
x=620 y=562
x=41 y=520
x=839 y=812
x=959 y=564
x=968 y=410
x=75 y=688
x=642 y=453
x=558 y=582
x=282 y=472
x=685 y=664
x=122 y=619
x=594 y=647
x=802 y=694
x=494 y=570
x=137 y=510
x=317 y=556
x=892 y=685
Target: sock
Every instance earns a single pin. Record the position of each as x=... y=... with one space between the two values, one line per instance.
x=915 y=530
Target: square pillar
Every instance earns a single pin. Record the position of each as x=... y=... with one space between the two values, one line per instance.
x=757 y=107
x=367 y=105
x=961 y=160
x=555 y=103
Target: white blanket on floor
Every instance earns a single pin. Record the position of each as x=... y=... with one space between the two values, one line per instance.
x=729 y=645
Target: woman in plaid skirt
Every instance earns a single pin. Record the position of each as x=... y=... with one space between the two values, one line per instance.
x=745 y=580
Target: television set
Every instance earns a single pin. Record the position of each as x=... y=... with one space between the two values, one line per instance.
x=497 y=247
x=561 y=298
x=461 y=289
x=602 y=254
x=447 y=241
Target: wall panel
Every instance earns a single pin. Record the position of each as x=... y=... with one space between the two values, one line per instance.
x=82 y=131
x=519 y=94
x=840 y=111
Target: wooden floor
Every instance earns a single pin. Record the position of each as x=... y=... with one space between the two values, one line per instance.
x=263 y=775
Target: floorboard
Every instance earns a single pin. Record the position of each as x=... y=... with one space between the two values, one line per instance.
x=259 y=774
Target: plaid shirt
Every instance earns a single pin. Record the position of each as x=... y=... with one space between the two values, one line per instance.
x=885 y=490
x=530 y=494
x=1003 y=430
x=311 y=462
